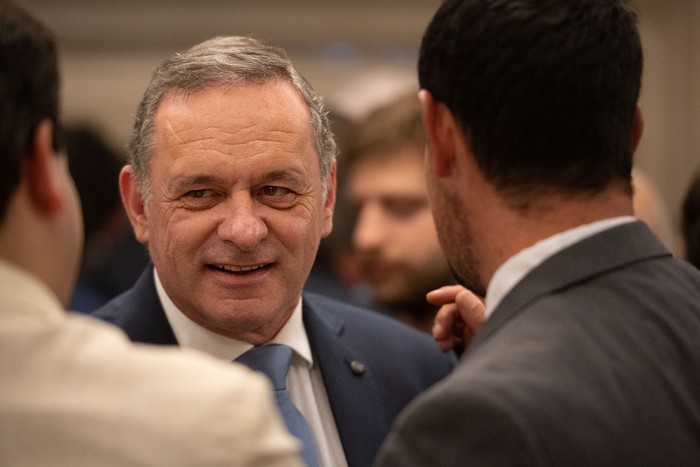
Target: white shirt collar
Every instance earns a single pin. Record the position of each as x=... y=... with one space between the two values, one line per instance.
x=518 y=266
x=193 y=336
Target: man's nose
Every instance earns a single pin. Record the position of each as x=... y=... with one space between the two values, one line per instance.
x=370 y=229
x=242 y=223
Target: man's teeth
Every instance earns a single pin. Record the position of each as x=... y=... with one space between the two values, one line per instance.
x=227 y=267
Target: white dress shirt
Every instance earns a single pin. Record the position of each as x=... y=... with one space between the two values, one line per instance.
x=518 y=266
x=304 y=380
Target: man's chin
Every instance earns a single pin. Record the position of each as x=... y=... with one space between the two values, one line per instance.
x=471 y=282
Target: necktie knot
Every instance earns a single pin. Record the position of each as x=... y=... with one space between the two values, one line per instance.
x=272 y=359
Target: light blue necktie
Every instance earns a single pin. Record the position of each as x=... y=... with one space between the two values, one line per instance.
x=273 y=360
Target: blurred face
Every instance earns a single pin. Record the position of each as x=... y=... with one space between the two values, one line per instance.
x=394 y=235
x=237 y=211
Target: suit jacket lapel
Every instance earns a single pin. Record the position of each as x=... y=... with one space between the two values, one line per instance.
x=608 y=250
x=350 y=385
x=141 y=314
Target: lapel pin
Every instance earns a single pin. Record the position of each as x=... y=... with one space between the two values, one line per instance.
x=357 y=367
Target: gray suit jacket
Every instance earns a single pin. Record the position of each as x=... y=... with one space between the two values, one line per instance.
x=593 y=359
x=372 y=365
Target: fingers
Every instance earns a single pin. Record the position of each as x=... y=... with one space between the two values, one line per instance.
x=461 y=314
x=446 y=327
x=444 y=295
x=471 y=309
x=449 y=327
x=445 y=320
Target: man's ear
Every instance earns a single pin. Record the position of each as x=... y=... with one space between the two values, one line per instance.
x=441 y=133
x=329 y=205
x=132 y=199
x=637 y=127
x=42 y=170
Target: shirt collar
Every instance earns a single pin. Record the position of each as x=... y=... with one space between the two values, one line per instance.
x=193 y=336
x=518 y=266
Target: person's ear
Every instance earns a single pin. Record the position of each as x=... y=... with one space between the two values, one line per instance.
x=133 y=202
x=329 y=205
x=440 y=132
x=637 y=127
x=42 y=166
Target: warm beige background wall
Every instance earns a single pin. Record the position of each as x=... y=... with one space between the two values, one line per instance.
x=354 y=52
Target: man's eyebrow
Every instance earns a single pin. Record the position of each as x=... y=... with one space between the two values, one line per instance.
x=292 y=176
x=196 y=179
x=282 y=174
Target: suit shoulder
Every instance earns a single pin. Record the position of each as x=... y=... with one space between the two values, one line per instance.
x=376 y=332
x=109 y=311
x=363 y=318
x=450 y=423
x=145 y=400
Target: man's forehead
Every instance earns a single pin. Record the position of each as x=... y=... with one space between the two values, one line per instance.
x=236 y=108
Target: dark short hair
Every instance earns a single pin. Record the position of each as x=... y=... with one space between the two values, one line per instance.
x=544 y=90
x=29 y=85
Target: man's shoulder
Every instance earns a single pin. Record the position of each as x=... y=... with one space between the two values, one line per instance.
x=355 y=317
x=145 y=397
x=141 y=293
x=374 y=333
x=139 y=313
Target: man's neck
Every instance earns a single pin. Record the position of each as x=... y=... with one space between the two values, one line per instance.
x=547 y=216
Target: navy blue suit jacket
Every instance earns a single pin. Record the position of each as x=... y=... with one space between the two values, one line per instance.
x=373 y=366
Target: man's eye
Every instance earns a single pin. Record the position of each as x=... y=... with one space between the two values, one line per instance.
x=403 y=209
x=196 y=193
x=277 y=197
x=270 y=190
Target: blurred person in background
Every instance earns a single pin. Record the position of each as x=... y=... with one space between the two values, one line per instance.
x=394 y=237
x=335 y=272
x=112 y=258
x=690 y=222
x=649 y=206
x=231 y=185
x=74 y=391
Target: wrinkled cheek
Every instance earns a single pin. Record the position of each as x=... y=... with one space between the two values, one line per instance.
x=162 y=245
x=174 y=247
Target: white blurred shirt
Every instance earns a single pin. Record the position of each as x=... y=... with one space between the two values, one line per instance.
x=75 y=392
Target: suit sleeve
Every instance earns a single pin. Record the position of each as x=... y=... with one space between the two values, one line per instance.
x=453 y=428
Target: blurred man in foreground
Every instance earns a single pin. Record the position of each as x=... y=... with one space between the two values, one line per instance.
x=73 y=391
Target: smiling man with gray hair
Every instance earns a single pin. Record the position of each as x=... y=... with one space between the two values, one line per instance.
x=231 y=186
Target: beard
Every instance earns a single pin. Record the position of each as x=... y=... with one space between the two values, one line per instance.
x=455 y=236
x=470 y=280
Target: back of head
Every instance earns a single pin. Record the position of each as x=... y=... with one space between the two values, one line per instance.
x=545 y=90
x=28 y=91
x=224 y=61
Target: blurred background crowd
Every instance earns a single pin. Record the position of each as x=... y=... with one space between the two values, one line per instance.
x=360 y=55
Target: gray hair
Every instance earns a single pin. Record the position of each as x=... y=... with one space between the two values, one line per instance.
x=224 y=61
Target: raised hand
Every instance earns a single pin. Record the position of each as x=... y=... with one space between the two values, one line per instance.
x=461 y=313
